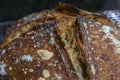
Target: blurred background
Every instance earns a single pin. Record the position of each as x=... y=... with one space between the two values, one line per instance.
x=11 y=10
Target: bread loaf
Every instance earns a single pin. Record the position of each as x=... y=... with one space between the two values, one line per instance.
x=61 y=44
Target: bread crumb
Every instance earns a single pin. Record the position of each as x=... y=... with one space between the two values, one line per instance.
x=31 y=70
x=58 y=77
x=45 y=54
x=46 y=73
x=10 y=68
x=41 y=78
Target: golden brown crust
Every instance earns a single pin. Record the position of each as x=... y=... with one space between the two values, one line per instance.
x=74 y=11
x=34 y=50
x=59 y=45
x=100 y=43
x=37 y=54
x=23 y=25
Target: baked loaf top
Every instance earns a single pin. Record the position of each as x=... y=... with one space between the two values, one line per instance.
x=36 y=52
x=101 y=47
x=61 y=44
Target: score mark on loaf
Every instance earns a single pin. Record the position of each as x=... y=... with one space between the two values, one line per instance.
x=66 y=43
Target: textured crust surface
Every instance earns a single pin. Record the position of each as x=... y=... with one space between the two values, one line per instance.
x=37 y=55
x=101 y=45
x=61 y=44
x=35 y=51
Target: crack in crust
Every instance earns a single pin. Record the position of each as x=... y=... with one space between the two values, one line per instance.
x=61 y=44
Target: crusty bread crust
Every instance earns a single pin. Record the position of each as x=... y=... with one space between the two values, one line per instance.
x=61 y=44
x=34 y=50
x=101 y=46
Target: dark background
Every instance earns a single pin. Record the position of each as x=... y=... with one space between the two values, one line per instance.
x=11 y=10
